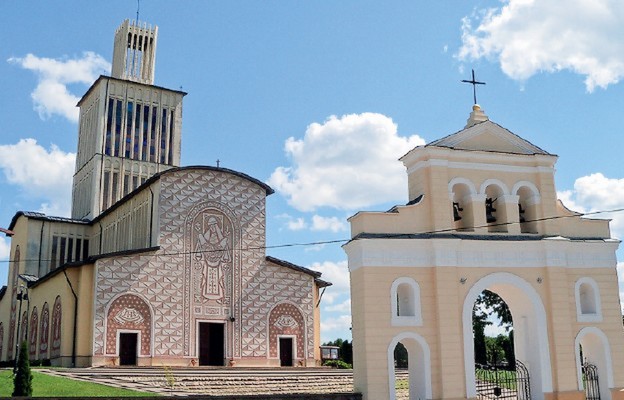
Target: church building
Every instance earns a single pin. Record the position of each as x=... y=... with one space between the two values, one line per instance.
x=483 y=214
x=158 y=264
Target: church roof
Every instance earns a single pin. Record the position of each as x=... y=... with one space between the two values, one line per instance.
x=481 y=134
x=315 y=274
x=43 y=217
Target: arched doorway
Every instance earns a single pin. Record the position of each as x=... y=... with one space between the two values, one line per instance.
x=530 y=329
x=592 y=348
x=419 y=366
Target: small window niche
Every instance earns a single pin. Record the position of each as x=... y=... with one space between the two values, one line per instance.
x=405 y=300
x=587 y=295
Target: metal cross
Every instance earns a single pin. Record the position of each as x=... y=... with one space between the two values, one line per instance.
x=218 y=162
x=474 y=84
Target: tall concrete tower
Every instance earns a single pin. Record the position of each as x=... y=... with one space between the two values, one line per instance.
x=129 y=129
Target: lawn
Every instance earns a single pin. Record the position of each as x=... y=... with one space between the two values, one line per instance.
x=54 y=386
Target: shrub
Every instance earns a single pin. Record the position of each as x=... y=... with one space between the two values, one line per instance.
x=22 y=383
x=337 y=364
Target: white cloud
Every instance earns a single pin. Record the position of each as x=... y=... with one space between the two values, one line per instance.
x=5 y=248
x=345 y=163
x=336 y=273
x=44 y=174
x=51 y=95
x=596 y=192
x=345 y=306
x=296 y=224
x=333 y=224
x=530 y=36
x=333 y=328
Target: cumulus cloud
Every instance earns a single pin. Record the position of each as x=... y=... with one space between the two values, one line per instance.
x=51 y=96
x=345 y=306
x=44 y=174
x=335 y=272
x=333 y=224
x=596 y=192
x=334 y=327
x=346 y=162
x=531 y=36
x=5 y=248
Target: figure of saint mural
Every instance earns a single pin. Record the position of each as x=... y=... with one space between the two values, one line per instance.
x=213 y=253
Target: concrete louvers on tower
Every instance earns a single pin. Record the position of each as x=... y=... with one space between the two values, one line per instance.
x=129 y=129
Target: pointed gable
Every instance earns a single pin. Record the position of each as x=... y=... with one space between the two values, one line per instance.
x=488 y=136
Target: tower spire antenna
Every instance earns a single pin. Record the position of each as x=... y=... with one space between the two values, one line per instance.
x=474 y=84
x=138 y=7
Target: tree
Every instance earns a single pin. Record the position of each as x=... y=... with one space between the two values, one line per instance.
x=22 y=382
x=400 y=356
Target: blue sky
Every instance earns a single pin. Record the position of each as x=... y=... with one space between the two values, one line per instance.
x=319 y=99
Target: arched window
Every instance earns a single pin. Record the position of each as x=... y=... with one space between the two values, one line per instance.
x=405 y=301
x=461 y=193
x=587 y=300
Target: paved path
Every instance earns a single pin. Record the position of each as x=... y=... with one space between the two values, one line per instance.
x=221 y=381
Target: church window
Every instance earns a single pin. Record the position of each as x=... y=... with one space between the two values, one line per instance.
x=587 y=300
x=171 y=114
x=85 y=249
x=126 y=182
x=109 y=124
x=163 y=137
x=145 y=132
x=118 y=115
x=152 y=143
x=129 y=119
x=53 y=254
x=70 y=249
x=405 y=299
x=115 y=188
x=62 y=246
x=77 y=253
x=106 y=190
x=137 y=133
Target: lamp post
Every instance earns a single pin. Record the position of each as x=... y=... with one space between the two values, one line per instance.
x=22 y=294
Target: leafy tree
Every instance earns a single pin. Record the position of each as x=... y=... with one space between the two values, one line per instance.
x=346 y=352
x=22 y=382
x=400 y=356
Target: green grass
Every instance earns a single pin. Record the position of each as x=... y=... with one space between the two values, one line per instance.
x=54 y=386
x=505 y=379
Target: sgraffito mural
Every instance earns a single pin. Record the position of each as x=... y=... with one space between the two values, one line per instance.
x=130 y=312
x=45 y=332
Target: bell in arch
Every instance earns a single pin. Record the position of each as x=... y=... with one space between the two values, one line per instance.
x=521 y=213
x=456 y=212
x=490 y=210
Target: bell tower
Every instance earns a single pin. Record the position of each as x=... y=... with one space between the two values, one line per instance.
x=129 y=128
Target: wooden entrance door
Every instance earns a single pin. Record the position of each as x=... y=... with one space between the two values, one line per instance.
x=128 y=348
x=211 y=344
x=286 y=352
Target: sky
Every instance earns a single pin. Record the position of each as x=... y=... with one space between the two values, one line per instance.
x=320 y=99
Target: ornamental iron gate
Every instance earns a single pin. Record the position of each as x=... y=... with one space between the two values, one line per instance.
x=590 y=381
x=500 y=382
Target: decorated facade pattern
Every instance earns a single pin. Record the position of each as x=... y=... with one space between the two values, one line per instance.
x=32 y=334
x=23 y=328
x=13 y=319
x=55 y=350
x=128 y=312
x=211 y=266
x=286 y=319
x=44 y=332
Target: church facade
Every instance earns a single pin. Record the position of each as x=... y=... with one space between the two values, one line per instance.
x=484 y=215
x=158 y=264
